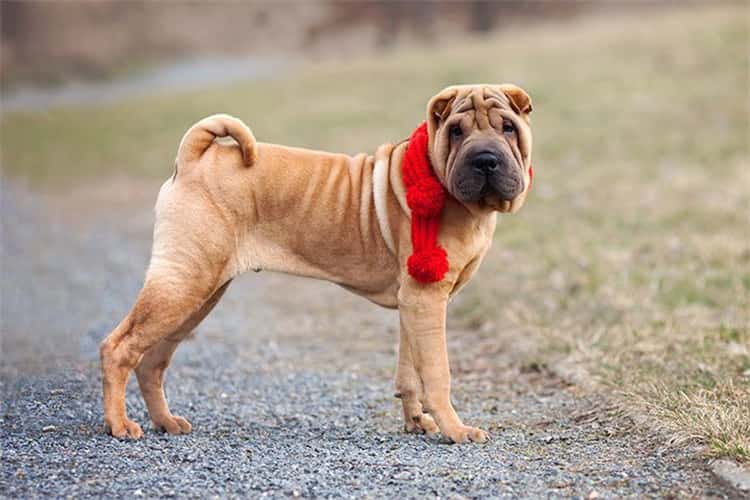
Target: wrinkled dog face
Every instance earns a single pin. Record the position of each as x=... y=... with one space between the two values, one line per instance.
x=480 y=144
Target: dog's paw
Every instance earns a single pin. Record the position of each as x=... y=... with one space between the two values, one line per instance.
x=174 y=425
x=126 y=429
x=466 y=434
x=421 y=424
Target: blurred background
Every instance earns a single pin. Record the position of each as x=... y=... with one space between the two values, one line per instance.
x=46 y=42
x=630 y=261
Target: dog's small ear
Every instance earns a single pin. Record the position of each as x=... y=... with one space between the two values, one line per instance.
x=519 y=99
x=439 y=108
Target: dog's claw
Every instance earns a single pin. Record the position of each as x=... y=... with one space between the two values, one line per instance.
x=421 y=424
x=174 y=425
x=466 y=434
x=127 y=429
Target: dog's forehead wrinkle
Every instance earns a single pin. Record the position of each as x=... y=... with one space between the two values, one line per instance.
x=481 y=101
x=492 y=94
x=477 y=98
x=462 y=105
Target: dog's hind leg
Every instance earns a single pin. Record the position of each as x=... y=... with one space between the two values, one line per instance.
x=164 y=307
x=150 y=371
x=192 y=260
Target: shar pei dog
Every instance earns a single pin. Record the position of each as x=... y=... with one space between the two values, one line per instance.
x=406 y=228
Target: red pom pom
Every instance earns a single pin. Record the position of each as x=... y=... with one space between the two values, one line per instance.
x=426 y=197
x=428 y=265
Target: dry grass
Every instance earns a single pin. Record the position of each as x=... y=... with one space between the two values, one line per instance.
x=631 y=258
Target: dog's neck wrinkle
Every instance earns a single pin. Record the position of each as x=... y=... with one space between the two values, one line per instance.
x=386 y=198
x=396 y=178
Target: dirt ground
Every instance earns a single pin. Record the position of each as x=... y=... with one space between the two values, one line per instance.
x=288 y=385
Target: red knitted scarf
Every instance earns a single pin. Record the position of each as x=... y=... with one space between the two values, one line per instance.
x=425 y=196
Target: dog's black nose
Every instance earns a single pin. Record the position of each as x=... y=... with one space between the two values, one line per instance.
x=485 y=162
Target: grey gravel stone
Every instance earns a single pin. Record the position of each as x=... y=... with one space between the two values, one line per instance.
x=734 y=475
x=288 y=387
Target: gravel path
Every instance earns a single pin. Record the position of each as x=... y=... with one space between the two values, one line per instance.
x=288 y=385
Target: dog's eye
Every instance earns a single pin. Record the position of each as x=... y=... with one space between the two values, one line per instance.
x=508 y=127
x=456 y=132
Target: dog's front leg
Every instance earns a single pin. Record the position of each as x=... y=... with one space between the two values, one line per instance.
x=409 y=389
x=422 y=309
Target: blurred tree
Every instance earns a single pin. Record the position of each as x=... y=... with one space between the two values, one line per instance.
x=483 y=15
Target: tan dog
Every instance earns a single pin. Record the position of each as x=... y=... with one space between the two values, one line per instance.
x=229 y=209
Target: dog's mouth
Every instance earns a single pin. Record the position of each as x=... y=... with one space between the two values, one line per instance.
x=496 y=204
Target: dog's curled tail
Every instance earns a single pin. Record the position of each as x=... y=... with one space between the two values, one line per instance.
x=200 y=136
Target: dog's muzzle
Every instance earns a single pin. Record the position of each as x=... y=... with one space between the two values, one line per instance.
x=485 y=173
